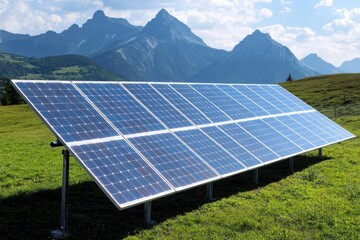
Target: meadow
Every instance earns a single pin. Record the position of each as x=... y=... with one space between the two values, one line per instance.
x=320 y=200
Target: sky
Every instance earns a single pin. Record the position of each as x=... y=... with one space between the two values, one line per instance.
x=329 y=28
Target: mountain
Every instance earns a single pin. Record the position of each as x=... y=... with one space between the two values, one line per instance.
x=7 y=36
x=256 y=59
x=97 y=34
x=165 y=50
x=317 y=64
x=352 y=66
x=67 y=67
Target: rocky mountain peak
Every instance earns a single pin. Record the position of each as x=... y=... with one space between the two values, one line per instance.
x=165 y=27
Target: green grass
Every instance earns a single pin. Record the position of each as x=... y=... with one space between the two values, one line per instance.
x=321 y=200
x=328 y=90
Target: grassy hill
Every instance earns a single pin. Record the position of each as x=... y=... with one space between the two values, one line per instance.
x=67 y=67
x=321 y=200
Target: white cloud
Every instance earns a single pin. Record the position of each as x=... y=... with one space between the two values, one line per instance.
x=286 y=10
x=220 y=23
x=348 y=20
x=324 y=3
x=3 y=5
x=334 y=48
x=283 y=2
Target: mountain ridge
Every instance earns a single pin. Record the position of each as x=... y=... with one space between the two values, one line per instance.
x=256 y=59
x=165 y=49
x=316 y=63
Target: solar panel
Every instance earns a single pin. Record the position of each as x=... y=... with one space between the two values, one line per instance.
x=291 y=99
x=177 y=163
x=228 y=105
x=141 y=141
x=328 y=138
x=332 y=127
x=206 y=107
x=246 y=90
x=271 y=138
x=302 y=130
x=65 y=110
x=121 y=172
x=182 y=104
x=215 y=155
x=252 y=106
x=232 y=146
x=266 y=93
x=120 y=107
x=290 y=133
x=158 y=105
x=251 y=144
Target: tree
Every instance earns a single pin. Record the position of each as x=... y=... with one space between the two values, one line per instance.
x=289 y=78
x=8 y=95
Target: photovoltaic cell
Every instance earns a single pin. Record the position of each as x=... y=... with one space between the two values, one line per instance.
x=121 y=172
x=209 y=151
x=252 y=145
x=173 y=159
x=206 y=107
x=158 y=105
x=246 y=90
x=224 y=102
x=182 y=104
x=120 y=108
x=246 y=102
x=232 y=146
x=66 y=110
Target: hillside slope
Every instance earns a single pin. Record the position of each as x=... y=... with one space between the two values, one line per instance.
x=327 y=90
x=319 y=201
x=66 y=67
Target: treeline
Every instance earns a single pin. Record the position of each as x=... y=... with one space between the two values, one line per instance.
x=54 y=68
x=8 y=95
x=67 y=67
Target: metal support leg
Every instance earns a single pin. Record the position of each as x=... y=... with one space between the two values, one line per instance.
x=147 y=214
x=320 y=153
x=291 y=164
x=209 y=191
x=63 y=231
x=256 y=176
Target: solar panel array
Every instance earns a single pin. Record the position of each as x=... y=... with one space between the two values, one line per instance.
x=141 y=141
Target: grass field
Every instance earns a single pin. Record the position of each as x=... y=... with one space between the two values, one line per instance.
x=321 y=200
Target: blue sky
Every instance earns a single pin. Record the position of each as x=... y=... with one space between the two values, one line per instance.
x=330 y=28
